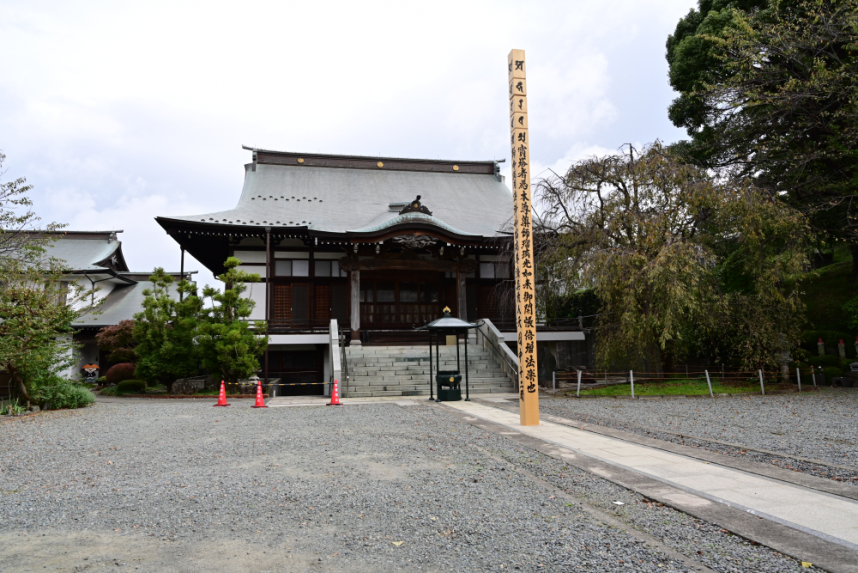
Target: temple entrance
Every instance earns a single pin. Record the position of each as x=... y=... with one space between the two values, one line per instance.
x=390 y=301
x=301 y=372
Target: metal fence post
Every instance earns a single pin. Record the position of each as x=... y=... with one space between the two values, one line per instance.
x=813 y=375
x=762 y=387
x=798 y=375
x=554 y=382
x=578 y=395
x=632 y=377
x=709 y=383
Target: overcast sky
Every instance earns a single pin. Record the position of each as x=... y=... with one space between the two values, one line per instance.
x=121 y=111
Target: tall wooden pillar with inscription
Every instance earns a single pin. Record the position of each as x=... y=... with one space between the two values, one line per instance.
x=525 y=300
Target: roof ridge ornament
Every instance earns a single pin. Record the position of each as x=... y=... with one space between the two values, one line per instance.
x=415 y=207
x=413 y=241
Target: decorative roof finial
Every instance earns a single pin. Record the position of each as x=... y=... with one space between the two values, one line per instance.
x=415 y=207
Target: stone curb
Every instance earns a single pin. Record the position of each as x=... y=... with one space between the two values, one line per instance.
x=188 y=397
x=803 y=546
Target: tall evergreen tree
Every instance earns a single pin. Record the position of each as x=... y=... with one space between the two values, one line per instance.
x=227 y=341
x=769 y=91
x=164 y=331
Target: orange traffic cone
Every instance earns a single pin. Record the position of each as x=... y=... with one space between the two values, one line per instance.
x=221 y=399
x=260 y=403
x=335 y=396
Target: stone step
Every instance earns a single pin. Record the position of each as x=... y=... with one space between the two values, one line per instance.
x=365 y=380
x=423 y=393
x=364 y=387
x=443 y=366
x=424 y=372
x=393 y=364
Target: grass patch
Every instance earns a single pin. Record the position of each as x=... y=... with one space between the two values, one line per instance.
x=676 y=388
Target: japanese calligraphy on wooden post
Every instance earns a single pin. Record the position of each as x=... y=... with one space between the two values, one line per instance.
x=525 y=301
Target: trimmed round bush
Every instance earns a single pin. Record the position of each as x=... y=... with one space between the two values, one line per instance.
x=120 y=372
x=131 y=387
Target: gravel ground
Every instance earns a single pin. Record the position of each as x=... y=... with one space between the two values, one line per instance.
x=820 y=426
x=187 y=487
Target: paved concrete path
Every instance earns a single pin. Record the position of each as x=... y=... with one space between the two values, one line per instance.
x=825 y=515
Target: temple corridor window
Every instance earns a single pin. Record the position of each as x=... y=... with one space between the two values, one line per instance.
x=292 y=268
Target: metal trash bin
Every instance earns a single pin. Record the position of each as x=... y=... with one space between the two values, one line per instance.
x=448 y=385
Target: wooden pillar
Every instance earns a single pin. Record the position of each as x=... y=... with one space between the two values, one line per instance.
x=267 y=290
x=461 y=295
x=182 y=273
x=523 y=236
x=355 y=295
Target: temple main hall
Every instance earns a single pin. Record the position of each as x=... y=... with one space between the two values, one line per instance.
x=379 y=244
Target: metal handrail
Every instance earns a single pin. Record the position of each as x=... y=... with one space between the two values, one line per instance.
x=512 y=366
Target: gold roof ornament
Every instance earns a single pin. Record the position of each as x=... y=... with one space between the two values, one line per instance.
x=455 y=168
x=300 y=160
x=380 y=164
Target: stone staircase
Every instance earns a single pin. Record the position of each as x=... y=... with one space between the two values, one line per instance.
x=404 y=370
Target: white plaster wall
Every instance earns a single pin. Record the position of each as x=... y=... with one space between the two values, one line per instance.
x=73 y=372
x=256 y=292
x=102 y=290
x=255 y=269
x=250 y=256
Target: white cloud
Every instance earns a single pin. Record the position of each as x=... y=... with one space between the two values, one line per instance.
x=118 y=112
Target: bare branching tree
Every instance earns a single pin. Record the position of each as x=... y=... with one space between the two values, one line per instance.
x=660 y=241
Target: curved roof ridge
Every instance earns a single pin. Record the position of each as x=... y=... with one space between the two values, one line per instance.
x=382 y=157
x=412 y=218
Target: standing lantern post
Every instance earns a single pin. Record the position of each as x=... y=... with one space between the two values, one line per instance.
x=448 y=381
x=431 y=372
x=525 y=299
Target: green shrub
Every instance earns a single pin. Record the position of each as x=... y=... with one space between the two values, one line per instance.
x=801 y=355
x=102 y=380
x=131 y=387
x=809 y=339
x=850 y=309
x=14 y=407
x=832 y=372
x=827 y=360
x=120 y=372
x=61 y=393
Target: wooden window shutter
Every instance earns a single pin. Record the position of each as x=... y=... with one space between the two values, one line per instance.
x=340 y=304
x=300 y=304
x=452 y=298
x=487 y=304
x=283 y=302
x=322 y=302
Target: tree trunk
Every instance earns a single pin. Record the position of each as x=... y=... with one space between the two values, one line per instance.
x=22 y=388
